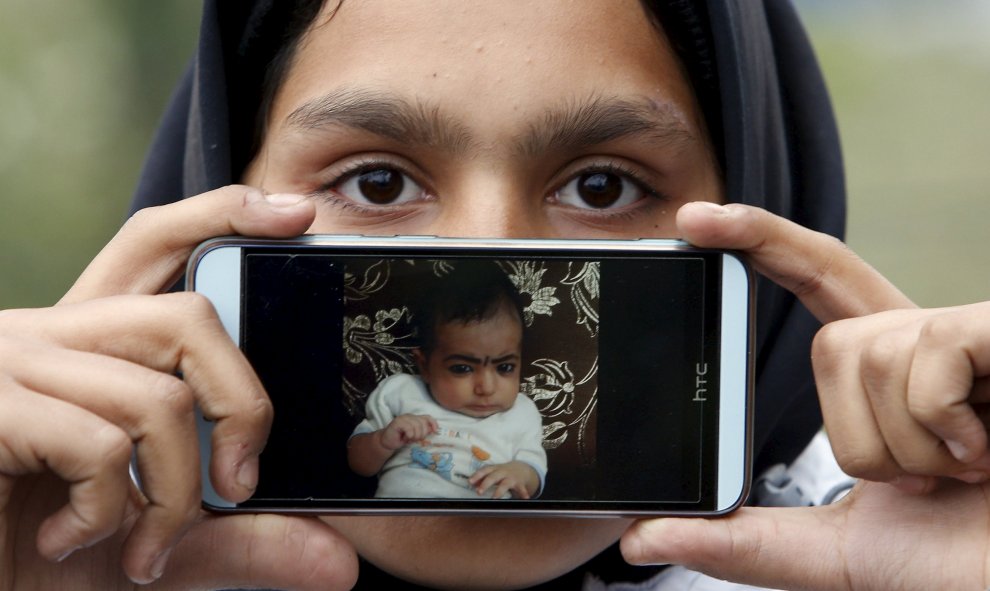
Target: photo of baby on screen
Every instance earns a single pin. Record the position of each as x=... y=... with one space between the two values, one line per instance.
x=461 y=428
x=511 y=381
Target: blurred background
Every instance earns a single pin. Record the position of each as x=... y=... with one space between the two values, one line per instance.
x=82 y=85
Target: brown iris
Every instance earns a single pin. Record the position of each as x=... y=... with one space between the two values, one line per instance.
x=599 y=189
x=381 y=185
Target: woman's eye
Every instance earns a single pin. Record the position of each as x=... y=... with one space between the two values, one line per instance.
x=381 y=185
x=600 y=190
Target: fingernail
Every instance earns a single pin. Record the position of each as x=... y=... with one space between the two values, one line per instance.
x=636 y=553
x=712 y=207
x=66 y=554
x=973 y=477
x=284 y=200
x=158 y=564
x=247 y=474
x=957 y=449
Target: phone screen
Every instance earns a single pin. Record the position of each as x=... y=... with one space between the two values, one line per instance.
x=620 y=356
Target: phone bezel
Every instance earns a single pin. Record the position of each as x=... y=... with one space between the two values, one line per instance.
x=215 y=267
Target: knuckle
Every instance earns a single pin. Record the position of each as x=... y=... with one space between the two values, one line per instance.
x=194 y=305
x=260 y=411
x=873 y=466
x=937 y=331
x=178 y=509
x=140 y=220
x=926 y=409
x=112 y=445
x=814 y=278
x=173 y=394
x=830 y=340
x=880 y=357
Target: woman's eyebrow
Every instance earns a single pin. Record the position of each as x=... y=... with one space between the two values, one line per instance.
x=573 y=125
x=598 y=120
x=382 y=114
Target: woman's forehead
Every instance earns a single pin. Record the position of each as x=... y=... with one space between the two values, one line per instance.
x=490 y=66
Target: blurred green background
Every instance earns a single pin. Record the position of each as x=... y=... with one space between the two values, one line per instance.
x=910 y=82
x=83 y=83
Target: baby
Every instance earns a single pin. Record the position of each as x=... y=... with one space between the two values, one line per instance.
x=461 y=429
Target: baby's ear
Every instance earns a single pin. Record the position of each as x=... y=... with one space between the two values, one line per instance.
x=420 y=358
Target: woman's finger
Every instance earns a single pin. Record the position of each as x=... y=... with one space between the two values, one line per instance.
x=150 y=252
x=830 y=280
x=154 y=409
x=886 y=362
x=932 y=541
x=39 y=433
x=299 y=554
x=949 y=371
x=787 y=548
x=849 y=417
x=179 y=333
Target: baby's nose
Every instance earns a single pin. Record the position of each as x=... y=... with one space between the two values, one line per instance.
x=484 y=384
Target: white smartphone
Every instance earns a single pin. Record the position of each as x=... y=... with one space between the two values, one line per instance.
x=636 y=355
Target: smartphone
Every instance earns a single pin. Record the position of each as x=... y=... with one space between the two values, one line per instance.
x=636 y=354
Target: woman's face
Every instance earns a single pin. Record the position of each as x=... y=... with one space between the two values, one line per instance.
x=566 y=118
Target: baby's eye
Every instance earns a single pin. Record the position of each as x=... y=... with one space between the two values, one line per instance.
x=378 y=185
x=600 y=190
x=506 y=368
x=459 y=369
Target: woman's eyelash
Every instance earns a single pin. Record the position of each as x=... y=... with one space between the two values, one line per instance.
x=357 y=168
x=623 y=171
x=343 y=204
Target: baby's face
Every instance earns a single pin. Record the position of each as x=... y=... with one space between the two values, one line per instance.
x=556 y=118
x=474 y=367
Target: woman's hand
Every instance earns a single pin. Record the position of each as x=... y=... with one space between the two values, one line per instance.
x=877 y=538
x=828 y=278
x=900 y=387
x=904 y=393
x=880 y=536
x=87 y=382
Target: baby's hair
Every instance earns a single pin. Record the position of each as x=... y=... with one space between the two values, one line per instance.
x=474 y=291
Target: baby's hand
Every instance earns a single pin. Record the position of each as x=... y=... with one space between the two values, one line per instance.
x=517 y=478
x=406 y=429
x=904 y=394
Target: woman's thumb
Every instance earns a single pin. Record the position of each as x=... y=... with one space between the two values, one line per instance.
x=264 y=551
x=786 y=548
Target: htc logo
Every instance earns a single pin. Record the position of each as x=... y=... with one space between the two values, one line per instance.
x=700 y=383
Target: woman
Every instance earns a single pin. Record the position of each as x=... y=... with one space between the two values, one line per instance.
x=481 y=127
x=721 y=86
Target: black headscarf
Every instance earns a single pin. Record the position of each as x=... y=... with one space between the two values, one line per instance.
x=757 y=81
